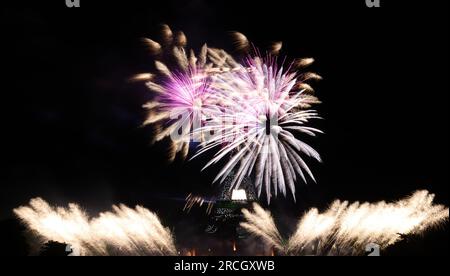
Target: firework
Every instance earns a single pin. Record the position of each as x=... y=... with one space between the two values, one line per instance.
x=192 y=200
x=262 y=224
x=254 y=111
x=265 y=109
x=181 y=83
x=124 y=231
x=346 y=229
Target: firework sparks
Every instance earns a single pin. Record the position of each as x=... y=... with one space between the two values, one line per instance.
x=192 y=200
x=240 y=41
x=253 y=111
x=181 y=88
x=262 y=224
x=265 y=110
x=124 y=231
x=346 y=229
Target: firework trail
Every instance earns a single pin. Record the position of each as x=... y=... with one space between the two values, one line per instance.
x=123 y=231
x=192 y=200
x=346 y=229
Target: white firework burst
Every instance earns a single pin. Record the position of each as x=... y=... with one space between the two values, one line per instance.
x=265 y=108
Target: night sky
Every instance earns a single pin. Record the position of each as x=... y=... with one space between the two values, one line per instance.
x=72 y=132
